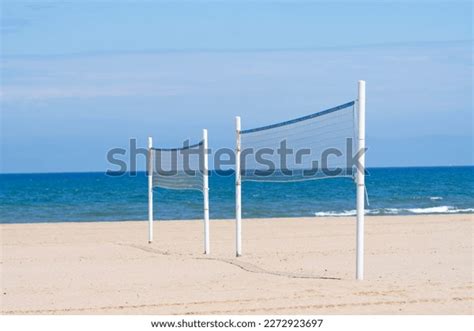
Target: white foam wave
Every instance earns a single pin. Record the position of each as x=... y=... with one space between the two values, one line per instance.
x=436 y=198
x=462 y=211
x=399 y=211
x=335 y=213
x=430 y=210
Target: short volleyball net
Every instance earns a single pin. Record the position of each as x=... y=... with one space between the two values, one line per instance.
x=317 y=146
x=182 y=168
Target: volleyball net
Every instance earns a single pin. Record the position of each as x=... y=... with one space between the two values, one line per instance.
x=178 y=168
x=316 y=146
x=182 y=168
x=311 y=147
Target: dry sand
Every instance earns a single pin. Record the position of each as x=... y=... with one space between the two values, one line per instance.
x=414 y=265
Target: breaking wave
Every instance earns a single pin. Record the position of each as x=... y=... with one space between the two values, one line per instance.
x=400 y=211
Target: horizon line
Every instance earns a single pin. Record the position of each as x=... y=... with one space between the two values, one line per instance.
x=141 y=171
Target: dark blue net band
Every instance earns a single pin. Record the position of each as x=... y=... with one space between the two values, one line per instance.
x=307 y=117
x=179 y=148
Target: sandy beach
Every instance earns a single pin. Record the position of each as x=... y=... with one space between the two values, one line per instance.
x=414 y=265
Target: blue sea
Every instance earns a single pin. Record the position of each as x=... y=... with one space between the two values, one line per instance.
x=81 y=197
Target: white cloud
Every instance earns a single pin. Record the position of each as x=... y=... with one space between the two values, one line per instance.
x=33 y=93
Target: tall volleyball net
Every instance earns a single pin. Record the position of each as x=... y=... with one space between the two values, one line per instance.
x=317 y=146
x=310 y=147
x=183 y=168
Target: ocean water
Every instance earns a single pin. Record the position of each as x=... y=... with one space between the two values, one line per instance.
x=78 y=197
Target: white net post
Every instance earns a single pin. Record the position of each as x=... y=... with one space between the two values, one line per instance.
x=206 y=192
x=150 y=190
x=238 y=186
x=361 y=183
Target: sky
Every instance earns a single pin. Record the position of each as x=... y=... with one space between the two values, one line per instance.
x=79 y=78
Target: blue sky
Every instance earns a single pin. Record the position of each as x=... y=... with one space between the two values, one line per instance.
x=81 y=77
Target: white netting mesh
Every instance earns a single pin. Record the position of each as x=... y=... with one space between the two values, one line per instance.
x=178 y=168
x=306 y=139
